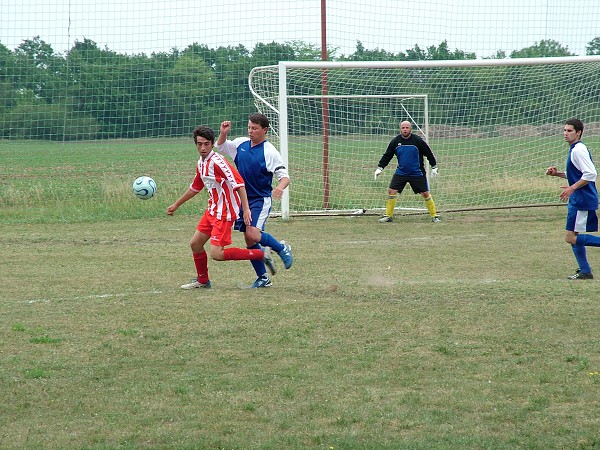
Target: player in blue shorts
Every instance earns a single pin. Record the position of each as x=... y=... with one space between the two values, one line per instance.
x=257 y=160
x=582 y=195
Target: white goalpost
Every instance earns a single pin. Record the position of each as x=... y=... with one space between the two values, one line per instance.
x=494 y=125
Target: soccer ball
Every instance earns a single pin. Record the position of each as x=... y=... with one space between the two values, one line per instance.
x=144 y=188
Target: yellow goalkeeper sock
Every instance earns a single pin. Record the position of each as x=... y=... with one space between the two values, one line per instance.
x=430 y=206
x=390 y=204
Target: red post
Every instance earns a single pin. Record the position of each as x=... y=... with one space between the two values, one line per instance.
x=325 y=106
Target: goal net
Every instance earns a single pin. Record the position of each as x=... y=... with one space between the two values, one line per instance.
x=494 y=126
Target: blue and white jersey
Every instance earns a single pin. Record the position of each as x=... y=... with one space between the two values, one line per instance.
x=257 y=164
x=581 y=167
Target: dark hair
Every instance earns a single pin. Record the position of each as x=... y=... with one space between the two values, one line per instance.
x=205 y=132
x=576 y=123
x=260 y=119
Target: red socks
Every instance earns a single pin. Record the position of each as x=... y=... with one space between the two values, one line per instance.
x=237 y=254
x=231 y=254
x=201 y=262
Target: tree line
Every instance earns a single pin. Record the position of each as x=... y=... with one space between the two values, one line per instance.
x=95 y=93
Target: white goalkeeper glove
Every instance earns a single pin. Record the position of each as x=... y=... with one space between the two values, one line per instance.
x=377 y=172
x=434 y=171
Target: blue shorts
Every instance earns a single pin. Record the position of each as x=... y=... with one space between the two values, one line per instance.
x=260 y=208
x=581 y=221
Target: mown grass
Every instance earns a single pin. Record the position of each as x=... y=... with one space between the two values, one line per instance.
x=464 y=334
x=89 y=181
x=55 y=182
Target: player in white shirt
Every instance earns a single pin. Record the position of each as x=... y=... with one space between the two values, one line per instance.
x=582 y=197
x=258 y=161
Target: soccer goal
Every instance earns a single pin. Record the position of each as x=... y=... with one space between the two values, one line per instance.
x=494 y=125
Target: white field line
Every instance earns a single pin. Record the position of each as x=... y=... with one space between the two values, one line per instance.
x=93 y=296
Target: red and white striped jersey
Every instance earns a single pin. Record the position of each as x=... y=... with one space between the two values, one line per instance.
x=221 y=180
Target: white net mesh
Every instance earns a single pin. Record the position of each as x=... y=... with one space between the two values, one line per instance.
x=108 y=91
x=493 y=129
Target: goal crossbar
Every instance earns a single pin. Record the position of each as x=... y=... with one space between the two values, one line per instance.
x=437 y=63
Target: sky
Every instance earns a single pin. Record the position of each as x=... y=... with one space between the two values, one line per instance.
x=147 y=26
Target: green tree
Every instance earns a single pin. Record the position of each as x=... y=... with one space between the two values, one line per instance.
x=186 y=95
x=442 y=52
x=362 y=54
x=8 y=94
x=416 y=54
x=269 y=54
x=232 y=66
x=593 y=47
x=500 y=54
x=544 y=49
x=35 y=98
x=92 y=92
x=7 y=63
x=309 y=52
x=39 y=69
x=111 y=87
x=439 y=53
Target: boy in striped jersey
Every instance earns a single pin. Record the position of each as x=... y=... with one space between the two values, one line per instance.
x=226 y=196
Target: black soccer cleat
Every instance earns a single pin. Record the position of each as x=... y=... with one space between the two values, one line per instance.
x=579 y=275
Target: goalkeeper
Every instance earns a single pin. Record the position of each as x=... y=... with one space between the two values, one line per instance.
x=410 y=150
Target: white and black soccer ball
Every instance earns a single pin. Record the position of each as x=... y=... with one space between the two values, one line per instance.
x=144 y=188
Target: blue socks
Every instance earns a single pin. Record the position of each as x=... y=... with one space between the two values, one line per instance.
x=588 y=240
x=582 y=241
x=580 y=256
x=258 y=264
x=266 y=240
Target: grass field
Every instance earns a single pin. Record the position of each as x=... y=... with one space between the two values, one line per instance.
x=56 y=182
x=464 y=334
x=49 y=182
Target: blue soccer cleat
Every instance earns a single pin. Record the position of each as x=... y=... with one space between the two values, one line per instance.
x=286 y=255
x=262 y=282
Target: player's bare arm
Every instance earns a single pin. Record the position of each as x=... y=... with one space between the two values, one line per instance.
x=223 y=132
x=245 y=205
x=553 y=172
x=180 y=201
x=567 y=191
x=187 y=195
x=278 y=190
